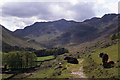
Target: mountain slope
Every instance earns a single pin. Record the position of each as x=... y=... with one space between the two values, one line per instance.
x=12 y=40
x=97 y=70
x=43 y=31
x=89 y=30
x=62 y=32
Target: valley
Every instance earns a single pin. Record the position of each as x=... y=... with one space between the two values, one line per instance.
x=39 y=50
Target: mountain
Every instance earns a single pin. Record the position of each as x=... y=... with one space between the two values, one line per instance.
x=9 y=39
x=88 y=30
x=44 y=31
x=63 y=32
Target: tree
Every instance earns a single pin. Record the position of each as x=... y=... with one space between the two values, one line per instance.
x=113 y=36
x=19 y=59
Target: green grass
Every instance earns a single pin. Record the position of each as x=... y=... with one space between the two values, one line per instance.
x=71 y=68
x=43 y=73
x=45 y=58
x=0 y=76
x=93 y=65
x=51 y=72
x=112 y=51
x=21 y=75
x=4 y=76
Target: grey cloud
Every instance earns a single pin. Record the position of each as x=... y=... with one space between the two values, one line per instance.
x=43 y=10
x=24 y=9
x=82 y=10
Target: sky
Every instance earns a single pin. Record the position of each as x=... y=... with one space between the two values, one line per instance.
x=17 y=14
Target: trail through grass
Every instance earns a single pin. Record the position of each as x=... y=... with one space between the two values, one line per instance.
x=77 y=70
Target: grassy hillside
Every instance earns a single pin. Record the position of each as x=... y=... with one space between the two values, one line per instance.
x=53 y=71
x=92 y=64
x=12 y=40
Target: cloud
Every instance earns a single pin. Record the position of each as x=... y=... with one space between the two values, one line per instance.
x=23 y=9
x=48 y=11
x=13 y=23
x=17 y=14
x=105 y=6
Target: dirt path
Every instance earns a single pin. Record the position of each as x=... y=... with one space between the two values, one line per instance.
x=79 y=72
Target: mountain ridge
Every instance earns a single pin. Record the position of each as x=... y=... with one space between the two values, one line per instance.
x=64 y=32
x=10 y=39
